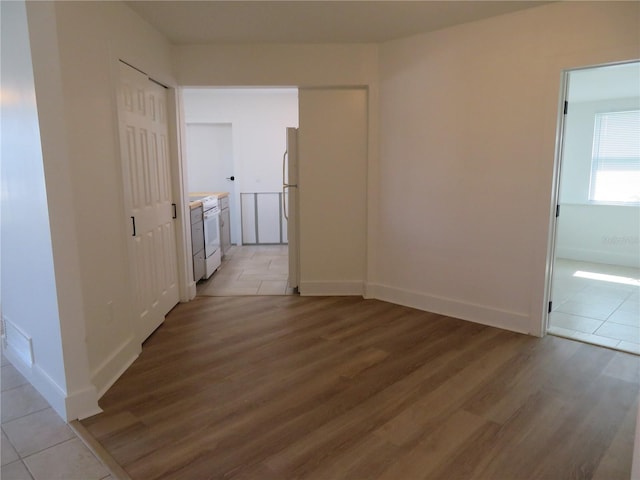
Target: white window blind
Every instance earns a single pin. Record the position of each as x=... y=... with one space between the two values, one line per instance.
x=615 y=165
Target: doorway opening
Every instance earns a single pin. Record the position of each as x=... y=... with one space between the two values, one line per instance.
x=235 y=141
x=595 y=275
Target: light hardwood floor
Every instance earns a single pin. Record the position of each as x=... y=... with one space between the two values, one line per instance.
x=344 y=388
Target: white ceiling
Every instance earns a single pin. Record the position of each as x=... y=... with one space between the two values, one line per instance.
x=302 y=21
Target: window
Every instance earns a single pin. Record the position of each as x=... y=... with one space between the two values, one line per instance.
x=615 y=164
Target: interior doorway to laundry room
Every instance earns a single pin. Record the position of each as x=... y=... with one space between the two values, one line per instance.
x=235 y=140
x=595 y=287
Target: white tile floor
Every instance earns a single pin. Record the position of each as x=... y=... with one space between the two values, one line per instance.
x=250 y=270
x=36 y=443
x=596 y=303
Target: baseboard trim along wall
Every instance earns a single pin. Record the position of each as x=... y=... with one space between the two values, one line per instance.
x=598 y=256
x=18 y=348
x=320 y=289
x=53 y=393
x=106 y=374
x=191 y=290
x=513 y=321
x=82 y=403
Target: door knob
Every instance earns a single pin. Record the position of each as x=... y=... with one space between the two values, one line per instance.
x=232 y=178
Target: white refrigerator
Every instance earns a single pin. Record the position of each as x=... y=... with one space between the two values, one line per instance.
x=290 y=195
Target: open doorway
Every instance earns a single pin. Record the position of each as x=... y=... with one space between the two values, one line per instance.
x=595 y=284
x=235 y=141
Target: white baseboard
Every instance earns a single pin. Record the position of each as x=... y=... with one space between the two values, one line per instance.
x=106 y=374
x=82 y=403
x=18 y=348
x=191 y=289
x=493 y=317
x=599 y=256
x=53 y=393
x=310 y=289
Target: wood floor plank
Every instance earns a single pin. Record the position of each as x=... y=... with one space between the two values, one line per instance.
x=366 y=459
x=450 y=386
x=497 y=443
x=377 y=396
x=593 y=433
x=614 y=462
x=513 y=383
x=346 y=388
x=435 y=446
x=623 y=366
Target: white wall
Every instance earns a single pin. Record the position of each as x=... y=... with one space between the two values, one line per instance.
x=75 y=47
x=275 y=65
x=592 y=233
x=599 y=233
x=29 y=300
x=467 y=139
x=258 y=120
x=332 y=150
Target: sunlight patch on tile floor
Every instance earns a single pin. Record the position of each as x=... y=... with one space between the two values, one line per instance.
x=596 y=303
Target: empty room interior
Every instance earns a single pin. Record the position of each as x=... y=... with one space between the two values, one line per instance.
x=320 y=240
x=596 y=263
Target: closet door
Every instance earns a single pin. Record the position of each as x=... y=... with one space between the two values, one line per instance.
x=142 y=114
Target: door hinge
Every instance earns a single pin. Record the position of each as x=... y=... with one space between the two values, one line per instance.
x=566 y=107
x=550 y=304
x=557 y=211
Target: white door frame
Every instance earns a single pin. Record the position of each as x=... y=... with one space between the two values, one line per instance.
x=555 y=186
x=555 y=193
x=175 y=116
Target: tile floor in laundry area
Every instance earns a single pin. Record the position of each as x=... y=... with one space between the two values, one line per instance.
x=36 y=443
x=250 y=270
x=596 y=303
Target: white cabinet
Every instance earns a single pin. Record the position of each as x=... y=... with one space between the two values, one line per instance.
x=197 y=243
x=225 y=230
x=225 y=223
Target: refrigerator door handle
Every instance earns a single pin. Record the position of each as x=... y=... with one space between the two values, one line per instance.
x=284 y=167
x=284 y=199
x=285 y=185
x=284 y=202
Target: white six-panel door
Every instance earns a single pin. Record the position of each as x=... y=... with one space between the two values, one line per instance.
x=142 y=111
